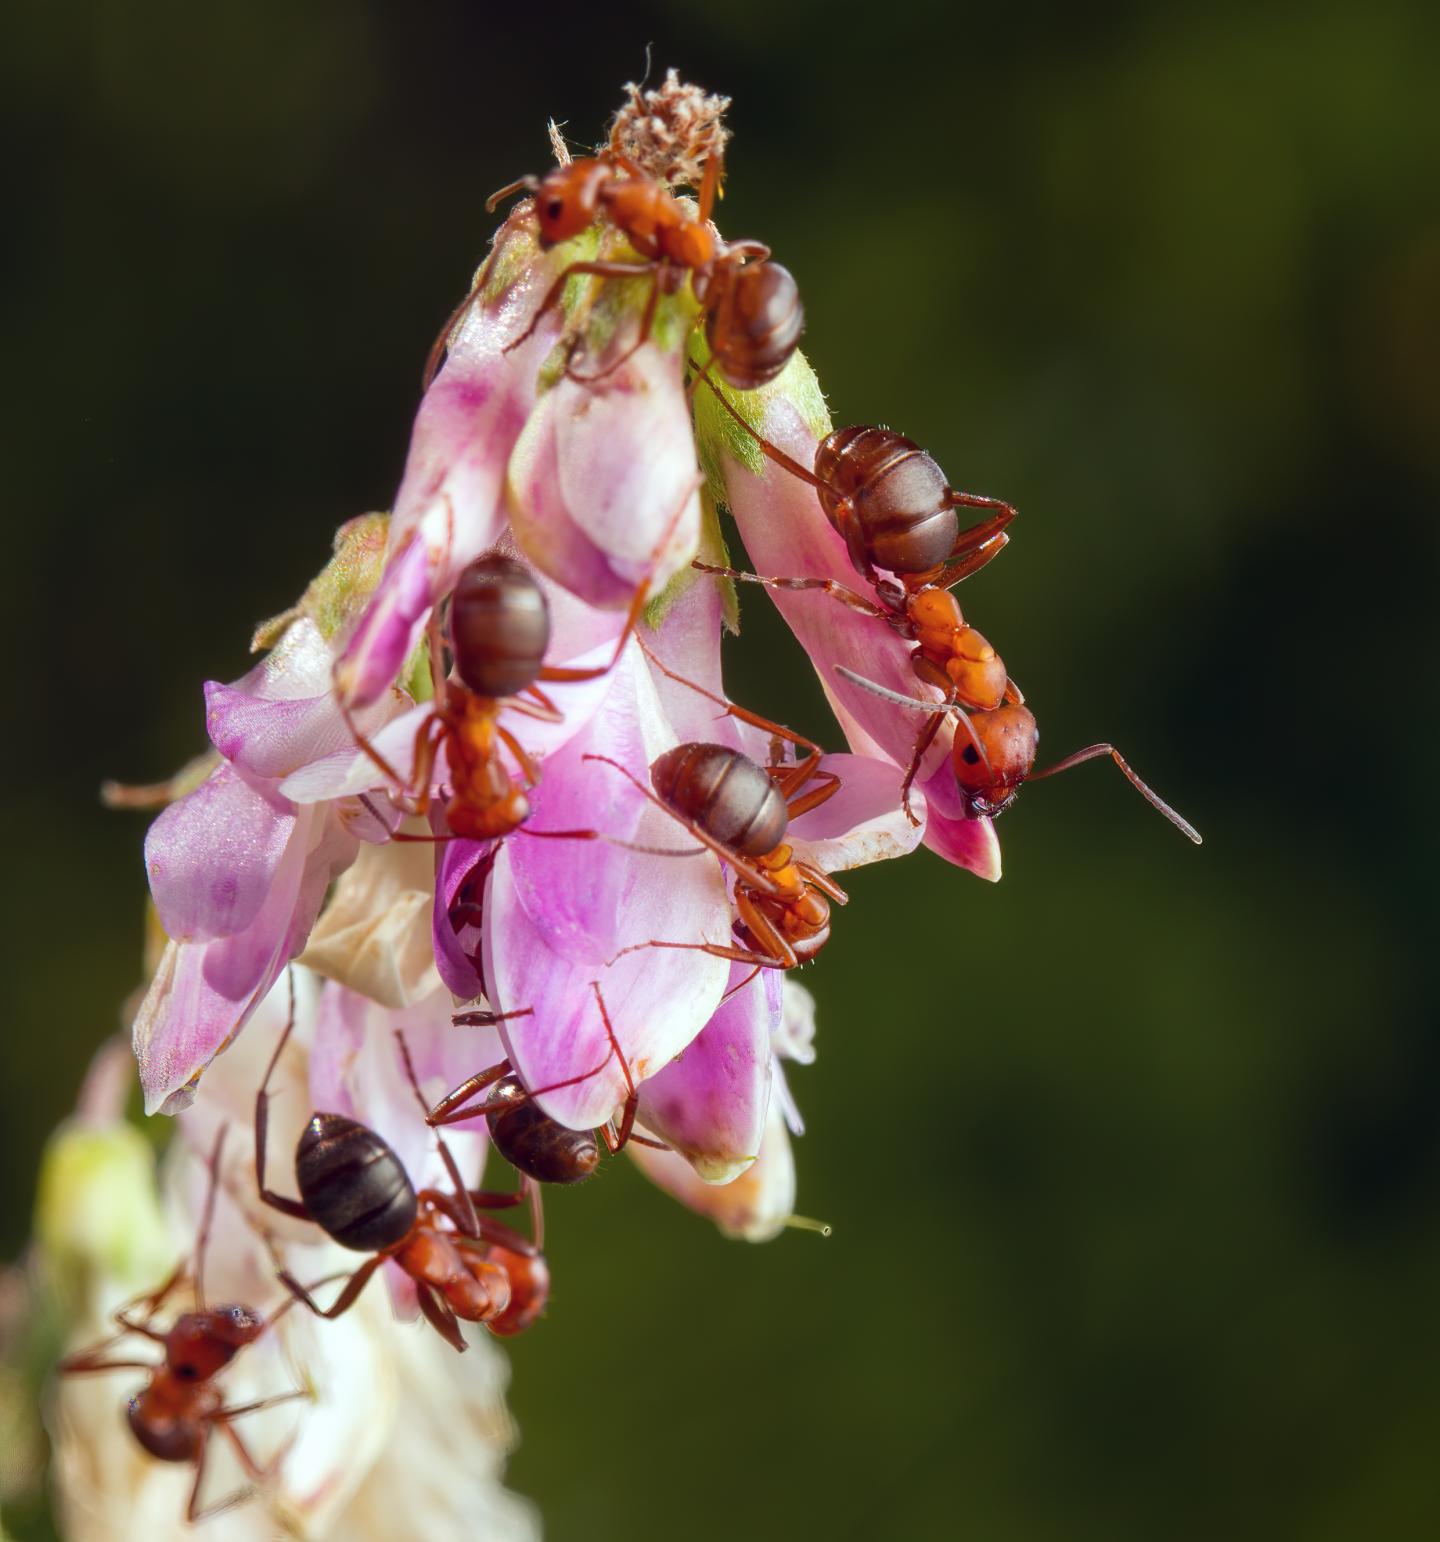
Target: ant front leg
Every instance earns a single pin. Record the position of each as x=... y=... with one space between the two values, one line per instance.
x=347 y=1297
x=594 y=270
x=795 y=776
x=286 y=1206
x=830 y=586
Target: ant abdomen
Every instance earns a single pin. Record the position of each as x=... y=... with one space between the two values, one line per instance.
x=534 y=1143
x=894 y=490
x=168 y=1433
x=499 y=626
x=353 y=1184
x=730 y=797
x=755 y=328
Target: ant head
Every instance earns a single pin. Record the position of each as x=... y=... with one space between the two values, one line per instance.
x=991 y=766
x=202 y=1343
x=567 y=198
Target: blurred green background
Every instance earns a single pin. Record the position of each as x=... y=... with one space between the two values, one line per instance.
x=1133 y=1160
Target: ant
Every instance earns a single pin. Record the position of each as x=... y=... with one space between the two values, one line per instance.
x=891 y=505
x=174 y=1415
x=532 y=1142
x=499 y=625
x=353 y=1186
x=997 y=751
x=752 y=309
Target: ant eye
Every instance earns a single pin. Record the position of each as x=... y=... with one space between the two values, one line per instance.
x=555 y=208
x=970 y=756
x=185 y=1372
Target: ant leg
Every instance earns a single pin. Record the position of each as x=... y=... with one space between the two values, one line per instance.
x=449 y=1110
x=455 y=319
x=923 y=741
x=440 y=1317
x=774 y=452
x=290 y=1207
x=347 y=1297
x=84 y=1361
x=528 y=769
x=615 y=1136
x=962 y=718
x=836 y=590
x=647 y=321
x=710 y=184
x=488 y=1019
x=239 y=1410
x=952 y=573
x=764 y=931
x=755 y=876
x=638 y=602
x=822 y=881
x=1093 y=752
x=468 y=1222
x=594 y=270
x=815 y=797
x=796 y=776
x=207 y=1218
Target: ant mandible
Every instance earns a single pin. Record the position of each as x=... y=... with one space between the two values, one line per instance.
x=353 y=1186
x=174 y=1415
x=996 y=753
x=752 y=308
x=532 y=1142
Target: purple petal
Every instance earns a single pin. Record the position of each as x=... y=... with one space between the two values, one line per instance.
x=450 y=507
x=603 y=483
x=212 y=858
x=456 y=935
x=204 y=993
x=556 y=912
x=710 y=1102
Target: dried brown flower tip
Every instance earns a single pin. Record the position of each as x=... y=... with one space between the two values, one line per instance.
x=672 y=131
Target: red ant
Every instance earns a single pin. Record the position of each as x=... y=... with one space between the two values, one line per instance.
x=752 y=309
x=174 y=1415
x=532 y=1142
x=996 y=752
x=353 y=1186
x=741 y=811
x=499 y=624
x=890 y=503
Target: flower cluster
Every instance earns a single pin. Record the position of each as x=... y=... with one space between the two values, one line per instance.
x=482 y=846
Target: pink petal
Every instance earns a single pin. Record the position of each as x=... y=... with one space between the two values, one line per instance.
x=861 y=823
x=711 y=1101
x=449 y=509
x=204 y=993
x=556 y=912
x=212 y=858
x=603 y=483
x=756 y=1206
x=952 y=834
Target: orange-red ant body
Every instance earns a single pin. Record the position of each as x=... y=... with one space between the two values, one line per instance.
x=354 y=1187
x=752 y=309
x=180 y=1407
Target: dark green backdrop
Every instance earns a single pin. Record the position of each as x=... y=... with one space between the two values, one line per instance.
x=1132 y=1160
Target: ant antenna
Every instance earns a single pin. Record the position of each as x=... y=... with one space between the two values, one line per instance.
x=923 y=706
x=1093 y=752
x=804 y=1223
